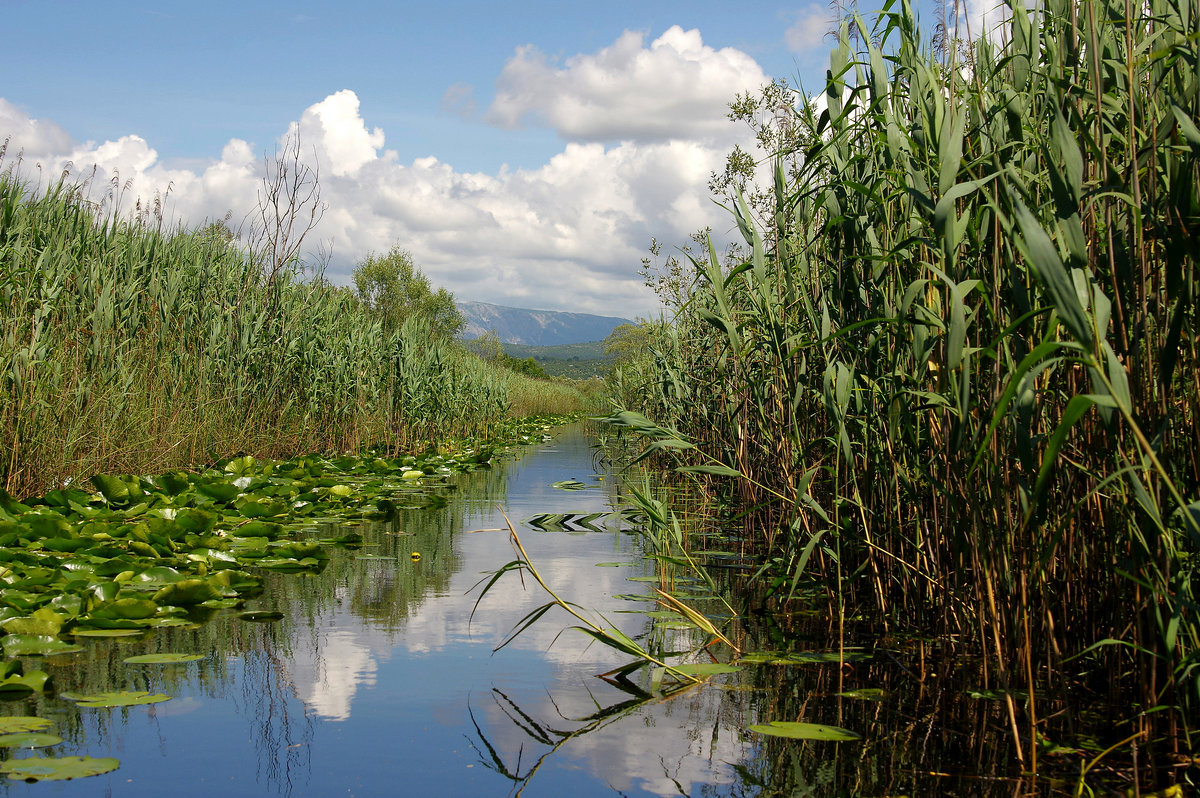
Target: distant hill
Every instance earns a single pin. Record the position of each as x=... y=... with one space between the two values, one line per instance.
x=536 y=327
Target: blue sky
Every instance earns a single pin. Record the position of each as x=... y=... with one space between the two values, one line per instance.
x=525 y=153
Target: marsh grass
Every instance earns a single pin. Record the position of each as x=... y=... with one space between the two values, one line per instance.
x=126 y=347
x=956 y=371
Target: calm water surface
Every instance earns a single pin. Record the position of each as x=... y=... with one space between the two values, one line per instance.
x=379 y=682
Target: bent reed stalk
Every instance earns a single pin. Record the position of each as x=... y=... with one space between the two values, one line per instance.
x=962 y=346
x=128 y=348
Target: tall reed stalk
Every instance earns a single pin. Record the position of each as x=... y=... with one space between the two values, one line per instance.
x=125 y=347
x=958 y=368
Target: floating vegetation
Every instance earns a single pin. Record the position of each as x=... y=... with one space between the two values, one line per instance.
x=803 y=657
x=163 y=659
x=29 y=740
x=144 y=552
x=804 y=731
x=18 y=724
x=121 y=698
x=58 y=769
x=261 y=616
x=570 y=484
x=14 y=681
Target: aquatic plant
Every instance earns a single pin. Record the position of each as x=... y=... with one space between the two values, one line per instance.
x=955 y=369
x=130 y=347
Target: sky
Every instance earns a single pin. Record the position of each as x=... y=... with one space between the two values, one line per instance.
x=525 y=153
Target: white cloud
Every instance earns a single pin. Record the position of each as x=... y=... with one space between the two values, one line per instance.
x=30 y=137
x=569 y=234
x=675 y=88
x=807 y=33
x=985 y=17
x=336 y=130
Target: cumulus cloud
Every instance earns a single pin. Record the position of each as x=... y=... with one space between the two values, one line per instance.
x=569 y=234
x=26 y=136
x=677 y=87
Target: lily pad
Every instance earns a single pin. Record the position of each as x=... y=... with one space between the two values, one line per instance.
x=804 y=731
x=108 y=632
x=41 y=622
x=29 y=740
x=18 y=684
x=123 y=698
x=36 y=645
x=162 y=659
x=58 y=768
x=17 y=724
x=706 y=668
x=866 y=694
x=186 y=593
x=261 y=615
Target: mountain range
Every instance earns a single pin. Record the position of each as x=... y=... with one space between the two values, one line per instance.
x=535 y=327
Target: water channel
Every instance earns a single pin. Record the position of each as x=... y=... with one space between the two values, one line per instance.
x=379 y=681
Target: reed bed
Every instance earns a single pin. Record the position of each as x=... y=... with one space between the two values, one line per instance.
x=128 y=348
x=957 y=367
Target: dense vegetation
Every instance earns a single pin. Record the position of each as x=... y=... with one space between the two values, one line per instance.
x=954 y=375
x=129 y=348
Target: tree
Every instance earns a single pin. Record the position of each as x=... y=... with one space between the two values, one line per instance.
x=629 y=341
x=392 y=286
x=289 y=208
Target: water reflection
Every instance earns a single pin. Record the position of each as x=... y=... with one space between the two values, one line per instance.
x=378 y=680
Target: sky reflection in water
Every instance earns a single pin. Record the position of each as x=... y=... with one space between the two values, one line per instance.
x=379 y=682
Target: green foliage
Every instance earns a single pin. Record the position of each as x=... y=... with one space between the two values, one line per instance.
x=955 y=364
x=127 y=348
x=628 y=342
x=394 y=289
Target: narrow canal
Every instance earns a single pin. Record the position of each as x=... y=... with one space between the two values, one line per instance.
x=380 y=679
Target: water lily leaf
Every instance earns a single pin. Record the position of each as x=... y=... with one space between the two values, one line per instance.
x=569 y=484
x=16 y=645
x=260 y=529
x=29 y=740
x=108 y=632
x=187 y=593
x=804 y=731
x=801 y=657
x=288 y=565
x=114 y=489
x=706 y=668
x=125 y=609
x=218 y=491
x=866 y=694
x=42 y=622
x=195 y=520
x=412 y=474
x=58 y=768
x=16 y=724
x=174 y=482
x=162 y=659
x=122 y=698
x=261 y=615
x=158 y=574
x=17 y=683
